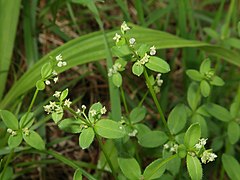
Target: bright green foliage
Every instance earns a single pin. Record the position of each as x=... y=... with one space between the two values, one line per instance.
x=231 y=166
x=46 y=70
x=40 y=85
x=192 y=135
x=155 y=169
x=137 y=114
x=117 y=79
x=77 y=175
x=158 y=65
x=15 y=141
x=34 y=140
x=137 y=69
x=152 y=139
x=218 y=112
x=194 y=168
x=109 y=129
x=177 y=119
x=26 y=120
x=130 y=168
x=233 y=132
x=64 y=94
x=193 y=96
x=70 y=125
x=182 y=151
x=9 y=119
x=86 y=138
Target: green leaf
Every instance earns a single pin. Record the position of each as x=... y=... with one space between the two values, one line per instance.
x=137 y=114
x=130 y=168
x=46 y=70
x=205 y=66
x=205 y=88
x=152 y=139
x=117 y=79
x=234 y=109
x=197 y=118
x=194 y=168
x=182 y=151
x=177 y=119
x=141 y=129
x=77 y=175
x=144 y=48
x=155 y=169
x=86 y=138
x=57 y=117
x=233 y=132
x=218 y=112
x=9 y=119
x=109 y=129
x=231 y=166
x=157 y=64
x=193 y=96
x=137 y=69
x=70 y=125
x=239 y=28
x=34 y=140
x=26 y=122
x=64 y=94
x=121 y=51
x=95 y=107
x=40 y=85
x=211 y=33
x=217 y=81
x=15 y=141
x=192 y=135
x=194 y=75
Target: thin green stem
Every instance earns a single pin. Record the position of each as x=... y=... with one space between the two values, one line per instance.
x=154 y=96
x=7 y=162
x=105 y=154
x=143 y=98
x=124 y=100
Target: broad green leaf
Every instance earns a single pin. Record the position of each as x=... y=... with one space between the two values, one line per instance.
x=57 y=117
x=217 y=81
x=231 y=166
x=130 y=168
x=15 y=141
x=120 y=51
x=34 y=140
x=109 y=129
x=77 y=175
x=197 y=118
x=117 y=79
x=211 y=33
x=9 y=119
x=144 y=48
x=158 y=65
x=218 y=112
x=122 y=62
x=234 y=109
x=193 y=95
x=64 y=94
x=233 y=132
x=40 y=85
x=233 y=42
x=97 y=108
x=46 y=70
x=86 y=138
x=26 y=120
x=152 y=139
x=205 y=66
x=70 y=125
x=217 y=143
x=137 y=69
x=141 y=129
x=194 y=168
x=205 y=88
x=192 y=135
x=202 y=111
x=172 y=166
x=155 y=169
x=137 y=114
x=177 y=119
x=194 y=75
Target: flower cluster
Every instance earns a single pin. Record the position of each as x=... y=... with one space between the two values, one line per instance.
x=60 y=62
x=205 y=155
x=53 y=107
x=10 y=131
x=116 y=67
x=158 y=83
x=171 y=146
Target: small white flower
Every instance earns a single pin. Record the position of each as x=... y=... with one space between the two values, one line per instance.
x=208 y=157
x=26 y=131
x=166 y=146
x=93 y=112
x=9 y=131
x=14 y=133
x=124 y=27
x=84 y=107
x=159 y=82
x=145 y=59
x=67 y=102
x=158 y=76
x=201 y=143
x=78 y=111
x=133 y=133
x=132 y=41
x=152 y=50
x=174 y=148
x=64 y=63
x=110 y=72
x=117 y=37
x=47 y=82
x=55 y=79
x=52 y=104
x=60 y=64
x=47 y=108
x=57 y=94
x=103 y=110
x=59 y=57
x=54 y=73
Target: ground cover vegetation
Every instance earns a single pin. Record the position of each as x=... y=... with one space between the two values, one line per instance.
x=119 y=89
